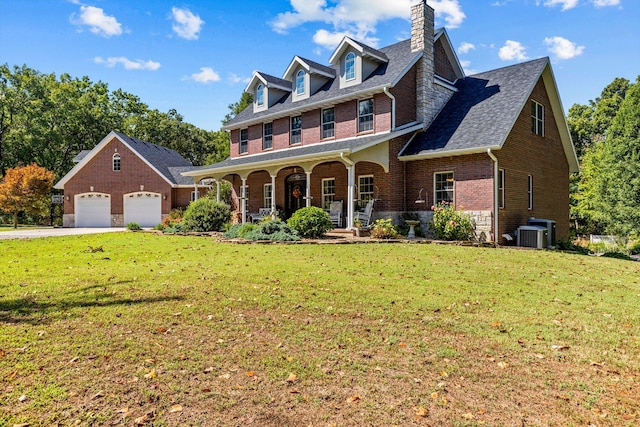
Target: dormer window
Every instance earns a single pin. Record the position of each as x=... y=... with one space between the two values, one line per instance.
x=300 y=82
x=350 y=66
x=260 y=95
x=116 y=162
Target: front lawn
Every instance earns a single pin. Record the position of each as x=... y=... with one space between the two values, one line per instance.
x=142 y=329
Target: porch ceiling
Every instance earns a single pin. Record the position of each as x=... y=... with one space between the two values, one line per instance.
x=367 y=147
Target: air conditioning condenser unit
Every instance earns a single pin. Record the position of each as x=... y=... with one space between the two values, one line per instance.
x=533 y=236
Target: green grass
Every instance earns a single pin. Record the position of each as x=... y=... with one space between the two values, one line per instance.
x=121 y=327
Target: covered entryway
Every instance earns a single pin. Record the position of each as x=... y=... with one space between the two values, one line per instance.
x=296 y=189
x=92 y=210
x=143 y=208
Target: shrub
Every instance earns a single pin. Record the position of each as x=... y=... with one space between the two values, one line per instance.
x=384 y=229
x=239 y=230
x=205 y=215
x=310 y=222
x=450 y=224
x=634 y=247
x=276 y=230
x=617 y=255
x=133 y=226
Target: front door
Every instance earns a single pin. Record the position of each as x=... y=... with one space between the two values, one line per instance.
x=296 y=189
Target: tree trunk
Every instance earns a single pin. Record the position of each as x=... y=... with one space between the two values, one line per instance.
x=15 y=220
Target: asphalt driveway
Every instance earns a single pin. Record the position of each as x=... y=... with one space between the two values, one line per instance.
x=52 y=232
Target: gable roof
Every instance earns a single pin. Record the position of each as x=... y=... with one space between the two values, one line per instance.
x=269 y=81
x=400 y=60
x=363 y=49
x=481 y=114
x=160 y=159
x=310 y=66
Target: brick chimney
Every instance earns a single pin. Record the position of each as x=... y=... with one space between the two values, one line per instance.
x=422 y=33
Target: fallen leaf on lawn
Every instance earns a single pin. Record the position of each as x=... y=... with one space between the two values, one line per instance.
x=560 y=347
x=74 y=360
x=140 y=421
x=249 y=373
x=206 y=390
x=208 y=370
x=421 y=411
x=22 y=425
x=467 y=416
x=294 y=391
x=496 y=324
x=402 y=344
x=539 y=356
x=123 y=411
x=22 y=398
x=434 y=395
x=150 y=361
x=353 y=399
x=502 y=365
x=292 y=378
x=628 y=417
x=151 y=374
x=162 y=330
x=97 y=395
x=444 y=374
x=225 y=376
x=175 y=408
x=177 y=314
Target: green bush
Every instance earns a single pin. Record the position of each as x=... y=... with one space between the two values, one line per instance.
x=133 y=226
x=450 y=224
x=276 y=230
x=239 y=230
x=384 y=229
x=634 y=247
x=205 y=215
x=617 y=255
x=310 y=222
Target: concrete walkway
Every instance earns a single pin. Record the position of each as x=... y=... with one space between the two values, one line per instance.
x=52 y=232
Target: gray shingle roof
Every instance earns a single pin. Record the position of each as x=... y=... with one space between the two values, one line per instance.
x=163 y=159
x=319 y=67
x=400 y=57
x=275 y=80
x=482 y=112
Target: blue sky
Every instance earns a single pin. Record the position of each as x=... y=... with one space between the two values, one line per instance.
x=196 y=56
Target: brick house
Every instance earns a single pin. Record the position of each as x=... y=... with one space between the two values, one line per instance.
x=400 y=125
x=123 y=180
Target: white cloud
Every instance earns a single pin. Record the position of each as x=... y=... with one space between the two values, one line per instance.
x=566 y=4
x=512 y=50
x=206 y=75
x=186 y=25
x=357 y=18
x=605 y=3
x=138 y=64
x=234 y=78
x=466 y=47
x=563 y=48
x=466 y=66
x=98 y=22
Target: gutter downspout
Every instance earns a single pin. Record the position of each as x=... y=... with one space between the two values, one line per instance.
x=393 y=107
x=495 y=196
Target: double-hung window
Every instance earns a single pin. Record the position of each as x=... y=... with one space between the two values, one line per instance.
x=328 y=192
x=350 y=66
x=501 y=188
x=244 y=141
x=444 y=187
x=296 y=130
x=365 y=189
x=365 y=115
x=537 y=118
x=300 y=83
x=267 y=136
x=530 y=191
x=267 y=196
x=328 y=123
x=116 y=162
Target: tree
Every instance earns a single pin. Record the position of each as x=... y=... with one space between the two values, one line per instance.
x=25 y=189
x=236 y=108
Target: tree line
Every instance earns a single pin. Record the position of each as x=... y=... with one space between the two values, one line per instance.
x=605 y=195
x=48 y=119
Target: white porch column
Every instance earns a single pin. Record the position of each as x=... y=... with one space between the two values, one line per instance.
x=218 y=190
x=351 y=174
x=196 y=194
x=308 y=195
x=243 y=200
x=273 y=196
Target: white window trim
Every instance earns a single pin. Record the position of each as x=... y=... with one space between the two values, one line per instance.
x=301 y=75
x=324 y=195
x=435 y=192
x=501 y=201
x=360 y=193
x=372 y=114
x=539 y=127
x=259 y=89
x=346 y=69
x=530 y=191
x=291 y=130
x=322 y=123
x=264 y=136
x=243 y=140
x=267 y=199
x=117 y=157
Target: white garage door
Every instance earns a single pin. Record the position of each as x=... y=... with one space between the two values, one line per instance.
x=92 y=210
x=143 y=208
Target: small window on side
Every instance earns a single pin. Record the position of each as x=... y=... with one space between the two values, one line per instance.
x=116 y=162
x=537 y=118
x=260 y=95
x=501 y=188
x=300 y=82
x=350 y=66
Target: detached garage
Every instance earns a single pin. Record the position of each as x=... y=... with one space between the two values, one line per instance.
x=124 y=180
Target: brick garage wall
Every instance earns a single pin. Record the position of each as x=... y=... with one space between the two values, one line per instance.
x=98 y=173
x=525 y=153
